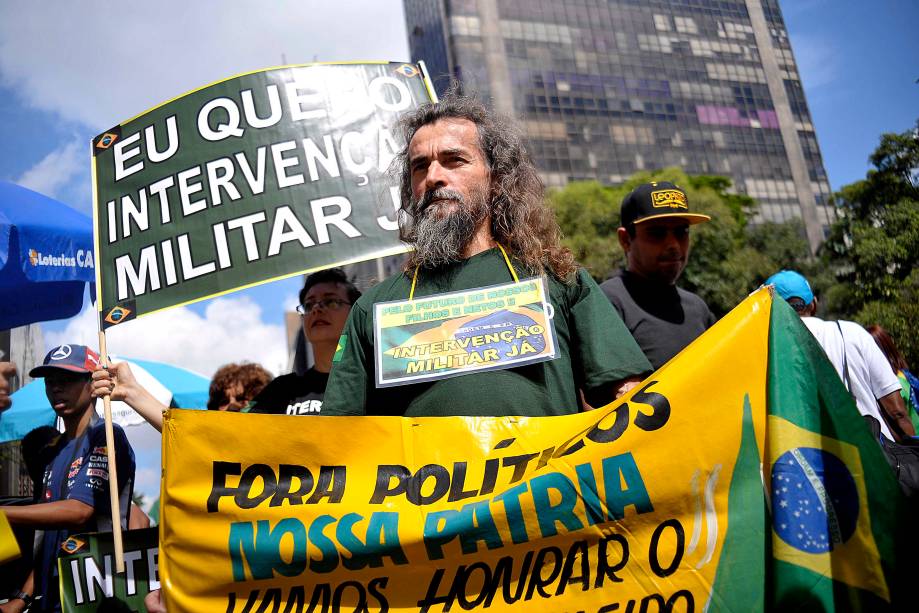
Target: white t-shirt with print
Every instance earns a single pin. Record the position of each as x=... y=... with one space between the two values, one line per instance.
x=870 y=374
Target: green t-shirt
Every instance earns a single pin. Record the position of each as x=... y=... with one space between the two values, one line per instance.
x=594 y=349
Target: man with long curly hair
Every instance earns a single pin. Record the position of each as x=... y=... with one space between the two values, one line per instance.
x=469 y=195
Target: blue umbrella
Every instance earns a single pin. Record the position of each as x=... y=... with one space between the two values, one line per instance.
x=171 y=385
x=46 y=257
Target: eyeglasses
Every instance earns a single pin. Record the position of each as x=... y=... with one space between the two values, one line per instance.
x=328 y=304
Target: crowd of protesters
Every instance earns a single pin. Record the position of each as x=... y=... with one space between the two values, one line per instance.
x=475 y=214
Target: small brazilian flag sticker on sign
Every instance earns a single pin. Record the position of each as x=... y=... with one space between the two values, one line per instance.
x=72 y=545
x=407 y=70
x=106 y=140
x=118 y=314
x=340 y=350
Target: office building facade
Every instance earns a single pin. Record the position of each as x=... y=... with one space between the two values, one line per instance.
x=605 y=88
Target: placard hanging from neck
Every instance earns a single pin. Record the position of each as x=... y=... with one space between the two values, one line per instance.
x=453 y=334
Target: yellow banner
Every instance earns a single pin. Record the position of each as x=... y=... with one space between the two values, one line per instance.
x=9 y=546
x=622 y=508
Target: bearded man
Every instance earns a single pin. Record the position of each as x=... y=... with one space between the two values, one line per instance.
x=473 y=208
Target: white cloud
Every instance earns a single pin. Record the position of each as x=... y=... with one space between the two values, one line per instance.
x=100 y=63
x=96 y=63
x=818 y=62
x=231 y=330
x=290 y=302
x=147 y=482
x=57 y=169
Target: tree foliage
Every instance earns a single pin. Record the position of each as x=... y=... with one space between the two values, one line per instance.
x=873 y=248
x=588 y=214
x=899 y=315
x=867 y=269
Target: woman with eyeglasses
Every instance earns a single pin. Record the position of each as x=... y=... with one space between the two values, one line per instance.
x=325 y=302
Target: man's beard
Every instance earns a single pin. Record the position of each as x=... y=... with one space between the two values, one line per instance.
x=442 y=239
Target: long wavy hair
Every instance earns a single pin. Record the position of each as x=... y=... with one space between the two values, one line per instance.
x=888 y=347
x=520 y=219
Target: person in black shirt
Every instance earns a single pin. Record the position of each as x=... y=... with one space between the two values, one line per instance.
x=654 y=234
x=325 y=302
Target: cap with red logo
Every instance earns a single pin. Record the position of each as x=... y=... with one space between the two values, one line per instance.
x=75 y=358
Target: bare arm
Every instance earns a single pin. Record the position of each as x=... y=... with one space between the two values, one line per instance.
x=66 y=514
x=154 y=602
x=626 y=385
x=119 y=383
x=137 y=518
x=897 y=415
x=15 y=605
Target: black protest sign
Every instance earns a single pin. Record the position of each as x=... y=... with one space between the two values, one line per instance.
x=258 y=177
x=87 y=564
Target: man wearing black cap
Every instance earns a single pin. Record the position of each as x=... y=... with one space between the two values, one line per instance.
x=75 y=487
x=654 y=234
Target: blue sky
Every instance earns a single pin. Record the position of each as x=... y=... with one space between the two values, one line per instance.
x=70 y=70
x=859 y=62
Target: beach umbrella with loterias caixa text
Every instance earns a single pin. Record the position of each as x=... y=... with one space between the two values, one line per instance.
x=46 y=257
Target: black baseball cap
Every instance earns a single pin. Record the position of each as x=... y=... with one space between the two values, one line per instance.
x=657 y=200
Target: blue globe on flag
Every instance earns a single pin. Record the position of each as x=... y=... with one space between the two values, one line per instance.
x=500 y=321
x=814 y=500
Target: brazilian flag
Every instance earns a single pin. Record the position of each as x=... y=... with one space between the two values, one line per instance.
x=827 y=528
x=836 y=508
x=340 y=348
